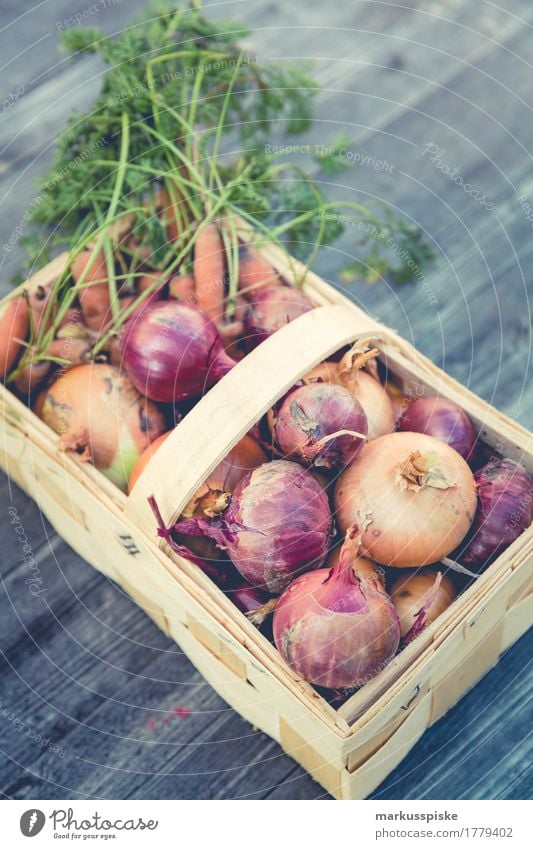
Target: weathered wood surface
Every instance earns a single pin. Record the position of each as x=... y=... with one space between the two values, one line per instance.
x=82 y=666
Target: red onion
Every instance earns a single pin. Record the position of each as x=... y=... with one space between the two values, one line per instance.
x=504 y=511
x=413 y=496
x=172 y=351
x=277 y=524
x=246 y=598
x=336 y=627
x=272 y=309
x=442 y=419
x=350 y=373
x=321 y=425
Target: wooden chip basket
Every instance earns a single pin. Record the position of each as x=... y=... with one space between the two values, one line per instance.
x=348 y=751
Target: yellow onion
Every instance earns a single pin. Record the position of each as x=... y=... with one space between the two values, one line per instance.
x=413 y=496
x=100 y=415
x=419 y=599
x=337 y=627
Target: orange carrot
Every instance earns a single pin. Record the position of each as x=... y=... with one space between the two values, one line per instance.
x=73 y=350
x=209 y=272
x=94 y=300
x=255 y=273
x=181 y=287
x=37 y=301
x=14 y=327
x=151 y=279
x=31 y=376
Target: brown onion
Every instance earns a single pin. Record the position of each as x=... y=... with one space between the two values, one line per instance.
x=321 y=425
x=413 y=496
x=419 y=599
x=100 y=415
x=336 y=627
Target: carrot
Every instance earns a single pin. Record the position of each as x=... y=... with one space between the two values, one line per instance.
x=209 y=271
x=71 y=317
x=255 y=273
x=115 y=352
x=73 y=350
x=37 y=301
x=181 y=287
x=149 y=280
x=14 y=328
x=29 y=378
x=94 y=300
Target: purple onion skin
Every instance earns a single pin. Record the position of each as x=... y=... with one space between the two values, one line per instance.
x=315 y=411
x=272 y=309
x=277 y=525
x=442 y=419
x=334 y=628
x=242 y=594
x=504 y=511
x=171 y=351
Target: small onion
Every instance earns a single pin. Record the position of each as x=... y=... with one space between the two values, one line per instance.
x=419 y=599
x=504 y=511
x=336 y=627
x=364 y=567
x=320 y=425
x=350 y=374
x=442 y=419
x=100 y=415
x=277 y=524
x=413 y=495
x=172 y=351
x=272 y=309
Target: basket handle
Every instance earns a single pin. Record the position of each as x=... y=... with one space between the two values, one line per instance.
x=227 y=412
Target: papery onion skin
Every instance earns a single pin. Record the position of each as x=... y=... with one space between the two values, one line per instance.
x=406 y=524
x=277 y=525
x=334 y=627
x=321 y=425
x=99 y=414
x=270 y=310
x=442 y=419
x=215 y=490
x=362 y=386
x=419 y=599
x=364 y=567
x=171 y=351
x=504 y=511
x=245 y=456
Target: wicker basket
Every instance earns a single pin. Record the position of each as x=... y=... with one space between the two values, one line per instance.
x=350 y=750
